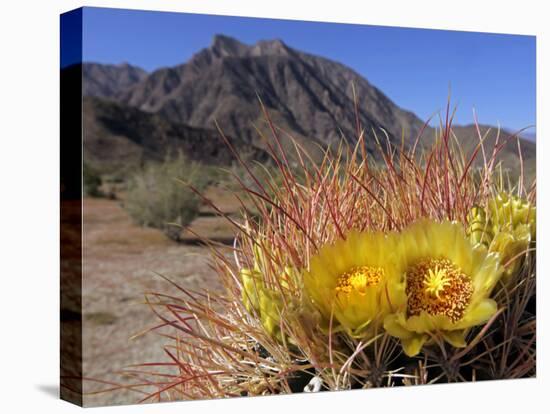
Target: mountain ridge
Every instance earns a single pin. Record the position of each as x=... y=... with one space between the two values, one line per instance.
x=311 y=95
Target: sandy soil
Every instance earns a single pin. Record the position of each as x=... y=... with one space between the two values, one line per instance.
x=120 y=259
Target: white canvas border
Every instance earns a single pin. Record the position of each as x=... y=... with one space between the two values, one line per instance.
x=29 y=169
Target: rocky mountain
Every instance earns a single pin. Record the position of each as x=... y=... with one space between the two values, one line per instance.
x=308 y=96
x=107 y=81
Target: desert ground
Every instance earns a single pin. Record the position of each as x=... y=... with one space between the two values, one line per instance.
x=119 y=265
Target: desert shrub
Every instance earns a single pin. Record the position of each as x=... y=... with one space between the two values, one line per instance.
x=91 y=181
x=160 y=196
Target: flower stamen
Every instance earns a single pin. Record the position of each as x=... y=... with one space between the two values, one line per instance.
x=358 y=278
x=435 y=281
x=438 y=287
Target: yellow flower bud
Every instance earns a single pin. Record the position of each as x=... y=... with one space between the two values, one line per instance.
x=252 y=285
x=506 y=227
x=263 y=302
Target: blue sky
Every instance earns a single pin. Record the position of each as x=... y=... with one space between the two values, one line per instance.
x=494 y=73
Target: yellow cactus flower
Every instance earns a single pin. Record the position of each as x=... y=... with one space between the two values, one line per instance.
x=355 y=280
x=447 y=285
x=507 y=227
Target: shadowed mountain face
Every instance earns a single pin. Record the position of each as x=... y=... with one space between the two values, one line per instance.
x=307 y=96
x=118 y=137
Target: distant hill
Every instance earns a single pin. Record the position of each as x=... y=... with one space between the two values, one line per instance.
x=509 y=155
x=308 y=96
